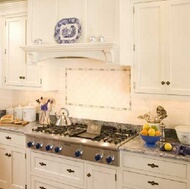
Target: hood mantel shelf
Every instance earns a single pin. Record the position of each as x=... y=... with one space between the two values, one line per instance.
x=99 y=51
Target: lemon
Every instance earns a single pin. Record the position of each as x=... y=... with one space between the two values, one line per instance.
x=167 y=146
x=146 y=126
x=151 y=132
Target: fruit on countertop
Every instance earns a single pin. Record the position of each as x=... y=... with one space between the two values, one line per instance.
x=151 y=132
x=148 y=130
x=166 y=147
x=146 y=126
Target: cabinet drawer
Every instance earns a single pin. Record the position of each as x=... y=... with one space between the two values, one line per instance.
x=39 y=183
x=11 y=138
x=59 y=168
x=151 y=165
x=139 y=181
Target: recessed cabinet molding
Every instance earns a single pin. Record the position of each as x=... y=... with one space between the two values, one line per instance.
x=99 y=51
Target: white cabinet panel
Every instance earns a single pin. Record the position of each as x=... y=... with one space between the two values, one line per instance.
x=178 y=67
x=39 y=183
x=149 y=66
x=100 y=177
x=162 y=40
x=138 y=181
x=5 y=167
x=13 y=168
x=15 y=37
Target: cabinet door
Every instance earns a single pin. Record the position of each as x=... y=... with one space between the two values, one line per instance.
x=178 y=66
x=5 y=167
x=100 y=177
x=18 y=169
x=32 y=73
x=15 y=57
x=149 y=61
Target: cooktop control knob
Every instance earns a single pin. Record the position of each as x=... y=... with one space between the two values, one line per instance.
x=78 y=153
x=57 y=149
x=98 y=157
x=49 y=147
x=109 y=159
x=39 y=145
x=30 y=144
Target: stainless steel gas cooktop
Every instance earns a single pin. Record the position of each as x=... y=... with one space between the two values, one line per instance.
x=94 y=143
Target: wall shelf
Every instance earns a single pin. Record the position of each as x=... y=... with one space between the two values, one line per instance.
x=100 y=51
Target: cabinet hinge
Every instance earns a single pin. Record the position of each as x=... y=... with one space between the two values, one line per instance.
x=5 y=51
x=115 y=177
x=25 y=155
x=134 y=85
x=133 y=10
x=133 y=47
x=25 y=186
x=41 y=81
x=5 y=79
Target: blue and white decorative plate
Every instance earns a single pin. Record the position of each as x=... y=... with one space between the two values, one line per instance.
x=67 y=30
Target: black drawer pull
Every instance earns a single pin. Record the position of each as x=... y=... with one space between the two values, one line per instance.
x=8 y=155
x=41 y=187
x=70 y=170
x=42 y=163
x=8 y=137
x=153 y=183
x=152 y=165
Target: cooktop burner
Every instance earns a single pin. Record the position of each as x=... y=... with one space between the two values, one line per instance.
x=108 y=133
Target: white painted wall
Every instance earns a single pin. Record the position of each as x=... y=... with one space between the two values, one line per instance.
x=178 y=107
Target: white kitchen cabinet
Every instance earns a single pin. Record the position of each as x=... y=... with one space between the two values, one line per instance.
x=99 y=177
x=17 y=72
x=12 y=161
x=161 y=43
x=45 y=170
x=142 y=171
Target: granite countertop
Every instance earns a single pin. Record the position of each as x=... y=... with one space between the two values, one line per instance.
x=18 y=128
x=137 y=145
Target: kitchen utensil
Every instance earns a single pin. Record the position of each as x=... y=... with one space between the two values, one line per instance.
x=29 y=113
x=183 y=134
x=63 y=119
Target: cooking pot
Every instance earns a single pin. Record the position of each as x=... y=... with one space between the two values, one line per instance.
x=63 y=119
x=29 y=113
x=17 y=112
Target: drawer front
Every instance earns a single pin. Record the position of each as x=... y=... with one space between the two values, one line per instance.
x=139 y=181
x=62 y=169
x=10 y=138
x=155 y=166
x=40 y=183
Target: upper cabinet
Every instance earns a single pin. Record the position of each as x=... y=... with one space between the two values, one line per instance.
x=98 y=18
x=161 y=43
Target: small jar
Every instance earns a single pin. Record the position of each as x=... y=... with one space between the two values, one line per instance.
x=17 y=112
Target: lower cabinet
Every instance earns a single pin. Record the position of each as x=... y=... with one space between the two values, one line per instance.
x=13 y=168
x=99 y=177
x=58 y=172
x=147 y=172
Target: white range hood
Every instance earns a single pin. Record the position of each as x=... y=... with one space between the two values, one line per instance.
x=99 y=51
